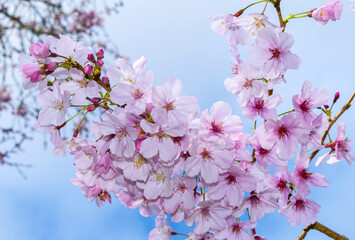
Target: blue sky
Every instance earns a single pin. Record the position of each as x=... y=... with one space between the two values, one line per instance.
x=177 y=40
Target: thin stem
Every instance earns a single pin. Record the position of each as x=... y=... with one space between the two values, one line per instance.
x=182 y=234
x=286 y=112
x=265 y=6
x=331 y=123
x=323 y=229
x=76 y=115
x=253 y=4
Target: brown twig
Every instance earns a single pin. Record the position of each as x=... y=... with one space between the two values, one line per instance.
x=279 y=14
x=331 y=123
x=323 y=229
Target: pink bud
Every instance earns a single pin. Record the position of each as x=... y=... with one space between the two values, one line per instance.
x=100 y=54
x=40 y=50
x=91 y=108
x=326 y=106
x=95 y=100
x=106 y=81
x=100 y=63
x=51 y=66
x=88 y=69
x=336 y=97
x=91 y=57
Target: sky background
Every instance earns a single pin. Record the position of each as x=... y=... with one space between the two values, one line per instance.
x=177 y=40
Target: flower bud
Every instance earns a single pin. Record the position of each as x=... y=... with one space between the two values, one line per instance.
x=51 y=66
x=88 y=69
x=106 y=81
x=95 y=100
x=91 y=57
x=336 y=97
x=239 y=13
x=91 y=108
x=40 y=50
x=100 y=54
x=100 y=63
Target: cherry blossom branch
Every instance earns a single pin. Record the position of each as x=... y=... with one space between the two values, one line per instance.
x=278 y=10
x=323 y=229
x=345 y=107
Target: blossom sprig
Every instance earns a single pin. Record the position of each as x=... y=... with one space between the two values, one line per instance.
x=151 y=149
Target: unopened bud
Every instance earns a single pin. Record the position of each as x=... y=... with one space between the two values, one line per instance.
x=76 y=133
x=91 y=108
x=95 y=100
x=51 y=66
x=100 y=63
x=100 y=54
x=326 y=106
x=106 y=81
x=91 y=57
x=240 y=12
x=336 y=97
x=88 y=69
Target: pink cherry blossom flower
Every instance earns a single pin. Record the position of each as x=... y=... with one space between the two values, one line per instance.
x=259 y=204
x=340 y=148
x=279 y=182
x=159 y=184
x=246 y=83
x=272 y=49
x=183 y=194
x=135 y=168
x=235 y=230
x=329 y=10
x=55 y=105
x=309 y=100
x=266 y=108
x=232 y=186
x=287 y=134
x=221 y=122
x=300 y=210
x=208 y=216
x=162 y=230
x=303 y=179
x=121 y=135
x=169 y=106
x=208 y=159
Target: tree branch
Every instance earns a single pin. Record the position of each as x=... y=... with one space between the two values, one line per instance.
x=323 y=229
x=345 y=107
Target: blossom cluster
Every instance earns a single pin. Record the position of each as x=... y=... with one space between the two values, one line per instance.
x=151 y=149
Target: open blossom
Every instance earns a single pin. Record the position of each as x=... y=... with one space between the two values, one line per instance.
x=246 y=84
x=209 y=159
x=162 y=230
x=232 y=186
x=279 y=182
x=266 y=108
x=220 y=122
x=272 y=51
x=169 y=106
x=120 y=135
x=309 y=100
x=208 y=216
x=159 y=184
x=55 y=105
x=329 y=10
x=235 y=230
x=302 y=178
x=287 y=134
x=340 y=148
x=300 y=210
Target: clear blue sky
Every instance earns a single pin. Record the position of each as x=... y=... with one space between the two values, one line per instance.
x=176 y=38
